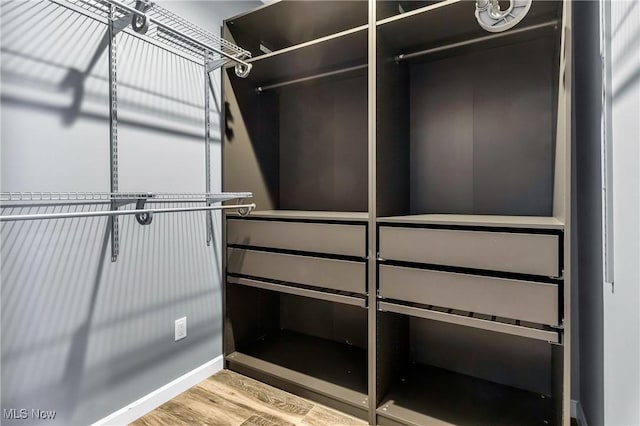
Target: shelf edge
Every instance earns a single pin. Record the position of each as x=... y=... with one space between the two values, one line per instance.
x=298 y=291
x=416 y=12
x=309 y=43
x=516 y=330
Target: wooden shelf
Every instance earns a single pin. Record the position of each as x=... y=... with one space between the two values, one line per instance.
x=525 y=222
x=475 y=320
x=447 y=22
x=388 y=8
x=299 y=290
x=306 y=364
x=311 y=215
x=333 y=52
x=287 y=23
x=428 y=395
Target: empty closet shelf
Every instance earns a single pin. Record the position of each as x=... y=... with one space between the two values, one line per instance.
x=291 y=360
x=74 y=196
x=163 y=27
x=448 y=21
x=142 y=210
x=312 y=215
x=493 y=221
x=300 y=290
x=112 y=213
x=427 y=395
x=472 y=319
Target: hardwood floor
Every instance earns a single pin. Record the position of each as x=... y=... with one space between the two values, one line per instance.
x=230 y=399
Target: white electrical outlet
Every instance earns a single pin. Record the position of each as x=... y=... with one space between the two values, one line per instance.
x=181 y=328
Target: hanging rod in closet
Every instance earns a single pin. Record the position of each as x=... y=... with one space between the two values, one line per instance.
x=511 y=33
x=123 y=196
x=243 y=210
x=261 y=89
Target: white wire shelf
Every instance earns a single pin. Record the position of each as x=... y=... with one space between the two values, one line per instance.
x=169 y=29
x=123 y=196
x=143 y=214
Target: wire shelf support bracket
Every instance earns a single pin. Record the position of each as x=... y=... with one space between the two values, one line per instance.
x=207 y=150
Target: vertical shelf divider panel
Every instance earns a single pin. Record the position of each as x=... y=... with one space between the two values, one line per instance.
x=562 y=207
x=372 y=253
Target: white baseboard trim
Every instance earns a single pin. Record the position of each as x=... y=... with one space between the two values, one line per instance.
x=153 y=400
x=578 y=413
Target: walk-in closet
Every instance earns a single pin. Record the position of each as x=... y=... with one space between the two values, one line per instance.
x=316 y=212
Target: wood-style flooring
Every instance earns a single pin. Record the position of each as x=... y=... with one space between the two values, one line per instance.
x=230 y=399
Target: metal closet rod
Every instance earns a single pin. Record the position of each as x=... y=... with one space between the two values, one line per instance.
x=178 y=33
x=405 y=56
x=398 y=58
x=71 y=215
x=261 y=89
x=121 y=196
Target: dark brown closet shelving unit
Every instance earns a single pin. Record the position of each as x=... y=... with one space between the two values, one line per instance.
x=407 y=260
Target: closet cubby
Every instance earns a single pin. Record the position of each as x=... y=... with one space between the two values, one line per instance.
x=466 y=129
x=436 y=372
x=300 y=147
x=295 y=303
x=315 y=348
x=298 y=123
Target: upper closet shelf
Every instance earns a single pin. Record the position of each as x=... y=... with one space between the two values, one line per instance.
x=329 y=55
x=452 y=21
x=528 y=222
x=283 y=24
x=149 y=20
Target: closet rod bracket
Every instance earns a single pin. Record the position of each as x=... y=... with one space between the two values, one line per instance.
x=140 y=24
x=244 y=211
x=147 y=217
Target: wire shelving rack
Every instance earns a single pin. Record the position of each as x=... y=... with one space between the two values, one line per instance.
x=155 y=24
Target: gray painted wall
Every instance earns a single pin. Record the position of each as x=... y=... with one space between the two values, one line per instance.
x=622 y=305
x=80 y=334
